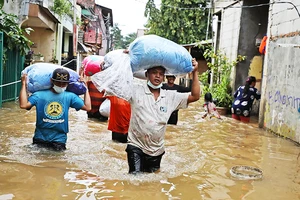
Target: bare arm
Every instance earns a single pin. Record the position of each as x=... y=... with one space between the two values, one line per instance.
x=87 y=102
x=23 y=100
x=195 y=93
x=87 y=99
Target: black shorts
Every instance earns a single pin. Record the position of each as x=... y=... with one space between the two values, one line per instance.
x=119 y=137
x=97 y=115
x=56 y=146
x=139 y=162
x=173 y=118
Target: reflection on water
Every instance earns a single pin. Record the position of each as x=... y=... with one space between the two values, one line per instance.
x=196 y=165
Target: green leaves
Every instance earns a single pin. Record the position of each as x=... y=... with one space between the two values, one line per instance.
x=1 y=3
x=177 y=20
x=120 y=41
x=220 y=67
x=62 y=7
x=14 y=37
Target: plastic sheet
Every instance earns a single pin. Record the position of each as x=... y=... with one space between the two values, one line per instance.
x=104 y=108
x=117 y=77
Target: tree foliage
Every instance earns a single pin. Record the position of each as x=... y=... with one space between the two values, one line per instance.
x=120 y=41
x=129 y=38
x=182 y=21
x=62 y=7
x=117 y=37
x=219 y=71
x=1 y=3
x=14 y=37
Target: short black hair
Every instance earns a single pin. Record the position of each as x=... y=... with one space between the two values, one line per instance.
x=208 y=97
x=170 y=76
x=156 y=67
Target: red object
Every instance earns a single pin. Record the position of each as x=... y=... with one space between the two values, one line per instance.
x=92 y=64
x=74 y=40
x=119 y=116
x=262 y=46
x=92 y=67
x=96 y=97
x=92 y=38
x=241 y=118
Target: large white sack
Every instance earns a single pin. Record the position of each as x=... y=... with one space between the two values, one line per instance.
x=111 y=57
x=104 y=108
x=151 y=50
x=117 y=78
x=39 y=75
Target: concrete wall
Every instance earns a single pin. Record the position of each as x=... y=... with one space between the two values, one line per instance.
x=230 y=29
x=229 y=34
x=219 y=4
x=105 y=38
x=44 y=42
x=254 y=23
x=11 y=7
x=281 y=91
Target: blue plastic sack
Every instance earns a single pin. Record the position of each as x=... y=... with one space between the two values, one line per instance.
x=151 y=50
x=75 y=85
x=39 y=75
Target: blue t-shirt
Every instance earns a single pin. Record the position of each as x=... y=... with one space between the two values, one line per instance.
x=52 y=114
x=242 y=103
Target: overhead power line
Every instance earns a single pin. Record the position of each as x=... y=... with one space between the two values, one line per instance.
x=230 y=6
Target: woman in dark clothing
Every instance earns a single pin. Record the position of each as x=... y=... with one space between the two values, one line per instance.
x=244 y=97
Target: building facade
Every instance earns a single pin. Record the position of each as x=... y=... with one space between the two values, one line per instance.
x=66 y=38
x=239 y=27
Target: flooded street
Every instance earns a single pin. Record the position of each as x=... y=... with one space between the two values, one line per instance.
x=196 y=165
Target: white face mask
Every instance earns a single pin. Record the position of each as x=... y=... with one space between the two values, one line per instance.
x=153 y=86
x=59 y=89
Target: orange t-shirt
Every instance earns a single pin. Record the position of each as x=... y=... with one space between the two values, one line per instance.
x=96 y=97
x=119 y=116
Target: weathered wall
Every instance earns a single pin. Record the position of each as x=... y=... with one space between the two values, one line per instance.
x=44 y=42
x=219 y=4
x=230 y=28
x=254 y=23
x=281 y=91
x=229 y=35
x=11 y=7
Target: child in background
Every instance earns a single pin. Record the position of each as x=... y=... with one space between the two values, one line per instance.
x=210 y=107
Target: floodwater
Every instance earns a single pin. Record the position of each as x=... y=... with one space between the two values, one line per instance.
x=196 y=165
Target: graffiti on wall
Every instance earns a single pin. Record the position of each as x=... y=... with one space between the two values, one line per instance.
x=284 y=99
x=275 y=122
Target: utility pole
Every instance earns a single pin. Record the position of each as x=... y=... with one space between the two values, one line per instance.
x=208 y=22
x=211 y=12
x=107 y=33
x=75 y=35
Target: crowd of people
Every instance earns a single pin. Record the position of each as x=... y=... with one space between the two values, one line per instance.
x=139 y=122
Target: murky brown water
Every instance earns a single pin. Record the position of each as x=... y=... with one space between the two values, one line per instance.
x=197 y=163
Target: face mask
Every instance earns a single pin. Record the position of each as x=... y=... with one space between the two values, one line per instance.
x=153 y=86
x=59 y=89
